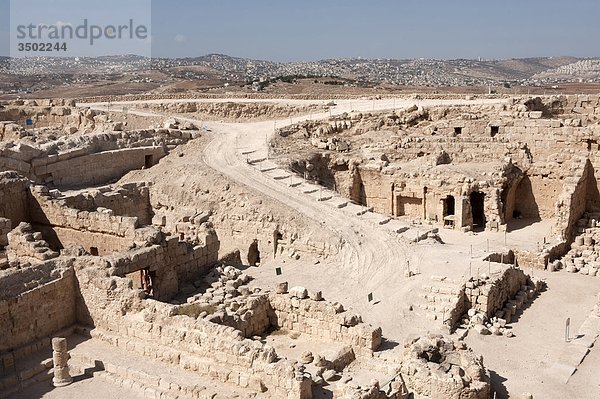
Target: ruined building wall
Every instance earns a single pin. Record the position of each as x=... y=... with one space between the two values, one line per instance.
x=239 y=215
x=27 y=246
x=324 y=320
x=373 y=189
x=63 y=226
x=93 y=169
x=130 y=200
x=17 y=158
x=13 y=197
x=97 y=159
x=122 y=319
x=175 y=263
x=34 y=303
x=534 y=144
x=489 y=296
x=580 y=195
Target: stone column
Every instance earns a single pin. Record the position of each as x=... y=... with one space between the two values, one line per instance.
x=62 y=377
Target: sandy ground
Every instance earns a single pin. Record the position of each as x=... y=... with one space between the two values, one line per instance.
x=374 y=259
x=90 y=388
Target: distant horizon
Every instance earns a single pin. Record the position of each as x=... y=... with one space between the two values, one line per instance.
x=288 y=31
x=478 y=59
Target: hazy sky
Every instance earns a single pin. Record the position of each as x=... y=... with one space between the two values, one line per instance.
x=285 y=30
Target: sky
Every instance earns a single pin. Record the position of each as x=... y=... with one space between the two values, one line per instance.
x=304 y=30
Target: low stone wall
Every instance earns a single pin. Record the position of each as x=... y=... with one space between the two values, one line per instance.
x=44 y=306
x=540 y=260
x=48 y=211
x=122 y=319
x=128 y=200
x=324 y=320
x=97 y=159
x=102 y=230
x=93 y=169
x=489 y=295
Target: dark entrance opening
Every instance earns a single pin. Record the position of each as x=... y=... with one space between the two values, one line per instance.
x=147 y=279
x=94 y=251
x=277 y=236
x=449 y=206
x=148 y=161
x=478 y=210
x=495 y=130
x=253 y=254
x=457 y=131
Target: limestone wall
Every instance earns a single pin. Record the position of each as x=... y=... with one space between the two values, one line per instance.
x=131 y=200
x=27 y=245
x=580 y=195
x=122 y=319
x=93 y=169
x=323 y=320
x=106 y=244
x=92 y=159
x=373 y=189
x=45 y=305
x=489 y=296
x=174 y=263
x=13 y=198
x=63 y=226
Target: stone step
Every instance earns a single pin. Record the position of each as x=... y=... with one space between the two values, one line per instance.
x=154 y=378
x=256 y=161
x=24 y=377
x=266 y=169
x=325 y=198
x=363 y=212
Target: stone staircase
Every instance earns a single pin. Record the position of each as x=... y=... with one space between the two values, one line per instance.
x=27 y=365
x=28 y=373
x=443 y=300
x=154 y=379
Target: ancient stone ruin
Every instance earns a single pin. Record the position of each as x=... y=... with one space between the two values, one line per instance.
x=355 y=254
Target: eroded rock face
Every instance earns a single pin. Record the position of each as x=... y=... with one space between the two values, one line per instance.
x=436 y=366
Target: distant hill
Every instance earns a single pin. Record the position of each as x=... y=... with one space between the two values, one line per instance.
x=585 y=70
x=425 y=72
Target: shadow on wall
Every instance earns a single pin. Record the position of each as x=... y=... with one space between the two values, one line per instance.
x=253 y=254
x=358 y=194
x=521 y=206
x=592 y=194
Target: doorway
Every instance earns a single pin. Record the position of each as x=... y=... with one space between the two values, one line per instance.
x=148 y=161
x=449 y=206
x=478 y=210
